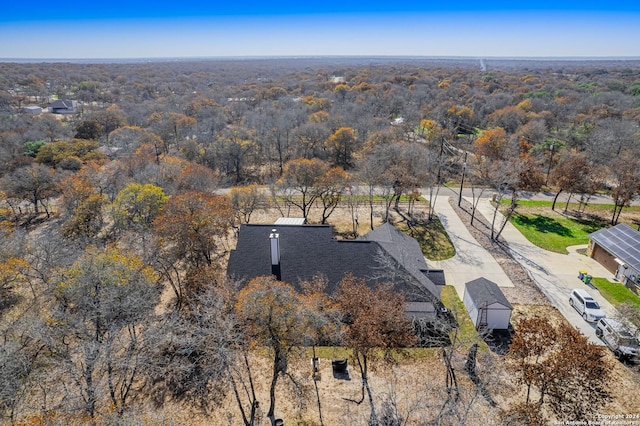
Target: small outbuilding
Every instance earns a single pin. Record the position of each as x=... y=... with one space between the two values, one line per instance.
x=33 y=110
x=488 y=307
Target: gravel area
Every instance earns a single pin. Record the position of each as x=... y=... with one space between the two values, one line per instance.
x=525 y=291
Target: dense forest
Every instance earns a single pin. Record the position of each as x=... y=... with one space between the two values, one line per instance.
x=117 y=217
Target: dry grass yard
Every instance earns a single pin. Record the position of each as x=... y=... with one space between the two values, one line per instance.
x=414 y=388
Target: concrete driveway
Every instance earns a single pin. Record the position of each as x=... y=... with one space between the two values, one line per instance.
x=471 y=260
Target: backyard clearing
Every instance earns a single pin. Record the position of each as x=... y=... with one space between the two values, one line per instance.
x=414 y=387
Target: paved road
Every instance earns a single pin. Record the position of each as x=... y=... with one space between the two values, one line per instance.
x=488 y=193
x=542 y=196
x=555 y=274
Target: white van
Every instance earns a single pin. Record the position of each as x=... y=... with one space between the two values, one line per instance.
x=586 y=305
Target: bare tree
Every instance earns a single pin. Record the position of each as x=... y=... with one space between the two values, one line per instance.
x=35 y=183
x=568 y=372
x=501 y=178
x=246 y=200
x=193 y=353
x=575 y=175
x=19 y=353
x=272 y=313
x=300 y=183
x=331 y=189
x=625 y=171
x=376 y=327
x=377 y=183
x=397 y=169
x=92 y=332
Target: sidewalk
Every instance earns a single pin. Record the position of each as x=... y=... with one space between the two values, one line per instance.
x=555 y=274
x=471 y=260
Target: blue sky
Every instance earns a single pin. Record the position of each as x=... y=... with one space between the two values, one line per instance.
x=195 y=28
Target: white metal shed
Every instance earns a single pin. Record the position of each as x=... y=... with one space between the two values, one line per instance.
x=33 y=110
x=487 y=306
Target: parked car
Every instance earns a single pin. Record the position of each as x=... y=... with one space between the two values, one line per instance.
x=618 y=338
x=586 y=305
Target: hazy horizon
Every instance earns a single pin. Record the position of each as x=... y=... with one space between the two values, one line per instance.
x=321 y=57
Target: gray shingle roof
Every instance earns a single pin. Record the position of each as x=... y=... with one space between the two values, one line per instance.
x=399 y=245
x=622 y=242
x=406 y=251
x=306 y=250
x=62 y=104
x=482 y=290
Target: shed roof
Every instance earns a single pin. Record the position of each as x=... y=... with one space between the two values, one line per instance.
x=482 y=290
x=622 y=242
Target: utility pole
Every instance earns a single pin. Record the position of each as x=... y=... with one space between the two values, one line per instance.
x=440 y=160
x=464 y=169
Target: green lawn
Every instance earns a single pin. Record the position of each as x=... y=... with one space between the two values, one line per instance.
x=615 y=293
x=554 y=232
x=560 y=205
x=432 y=237
x=467 y=333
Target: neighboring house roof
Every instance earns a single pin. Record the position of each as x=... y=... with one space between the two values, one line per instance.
x=306 y=250
x=482 y=290
x=622 y=242
x=61 y=105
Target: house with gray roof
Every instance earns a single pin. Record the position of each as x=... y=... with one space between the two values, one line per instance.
x=618 y=250
x=63 y=106
x=295 y=253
